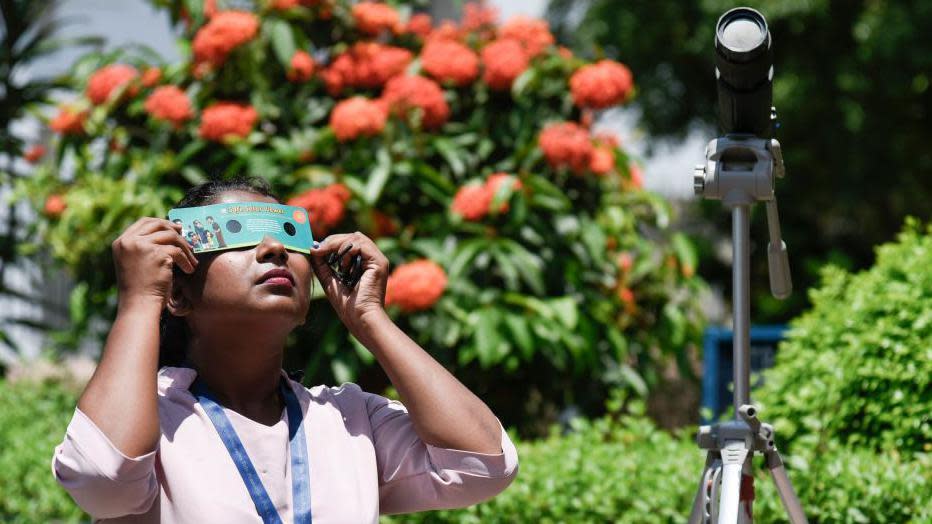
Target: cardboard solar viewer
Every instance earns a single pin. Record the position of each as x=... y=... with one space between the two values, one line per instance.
x=243 y=224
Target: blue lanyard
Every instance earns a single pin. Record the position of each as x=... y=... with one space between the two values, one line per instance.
x=300 y=474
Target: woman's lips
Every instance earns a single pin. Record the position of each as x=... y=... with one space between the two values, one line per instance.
x=278 y=281
x=278 y=277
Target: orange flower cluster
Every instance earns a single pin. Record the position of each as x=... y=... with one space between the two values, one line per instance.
x=367 y=65
x=533 y=34
x=603 y=84
x=383 y=225
x=302 y=67
x=450 y=61
x=473 y=202
x=171 y=104
x=284 y=5
x=625 y=262
x=446 y=31
x=151 y=76
x=566 y=144
x=372 y=18
x=325 y=207
x=603 y=154
x=627 y=298
x=420 y=24
x=34 y=153
x=637 y=178
x=226 y=31
x=416 y=286
x=68 y=121
x=504 y=61
x=357 y=116
x=477 y=16
x=109 y=79
x=55 y=205
x=404 y=93
x=602 y=161
x=223 y=120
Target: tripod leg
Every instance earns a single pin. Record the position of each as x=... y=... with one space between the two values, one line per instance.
x=731 y=491
x=734 y=456
x=787 y=495
x=698 y=512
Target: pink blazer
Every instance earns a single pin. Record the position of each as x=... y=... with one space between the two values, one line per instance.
x=365 y=459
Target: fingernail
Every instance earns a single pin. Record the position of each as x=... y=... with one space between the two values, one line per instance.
x=316 y=244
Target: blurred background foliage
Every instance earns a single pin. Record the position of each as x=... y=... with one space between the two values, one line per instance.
x=851 y=88
x=560 y=274
x=29 y=35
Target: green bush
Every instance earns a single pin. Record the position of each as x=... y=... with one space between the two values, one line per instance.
x=842 y=484
x=623 y=470
x=32 y=422
x=630 y=471
x=856 y=369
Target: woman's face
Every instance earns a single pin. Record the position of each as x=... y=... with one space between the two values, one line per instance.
x=235 y=285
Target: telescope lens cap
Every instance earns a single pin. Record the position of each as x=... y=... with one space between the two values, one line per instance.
x=741 y=34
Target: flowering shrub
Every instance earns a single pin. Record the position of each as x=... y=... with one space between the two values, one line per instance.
x=523 y=241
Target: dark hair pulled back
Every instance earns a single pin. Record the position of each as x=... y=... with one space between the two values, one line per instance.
x=173 y=331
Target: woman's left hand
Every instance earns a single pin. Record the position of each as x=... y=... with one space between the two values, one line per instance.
x=368 y=296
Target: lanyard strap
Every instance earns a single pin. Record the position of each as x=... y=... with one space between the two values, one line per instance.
x=300 y=474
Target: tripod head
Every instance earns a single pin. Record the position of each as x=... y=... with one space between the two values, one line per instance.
x=740 y=170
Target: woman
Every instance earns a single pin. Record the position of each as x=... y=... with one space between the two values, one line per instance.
x=147 y=447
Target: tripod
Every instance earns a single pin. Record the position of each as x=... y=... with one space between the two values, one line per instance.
x=740 y=171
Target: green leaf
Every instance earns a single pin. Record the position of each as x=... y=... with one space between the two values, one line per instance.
x=566 y=311
x=378 y=177
x=364 y=354
x=188 y=151
x=282 y=39
x=77 y=303
x=521 y=83
x=451 y=154
x=521 y=334
x=529 y=265
x=633 y=379
x=685 y=252
x=506 y=267
x=193 y=174
x=488 y=338
x=465 y=252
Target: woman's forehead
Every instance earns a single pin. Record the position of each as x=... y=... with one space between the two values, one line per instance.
x=243 y=196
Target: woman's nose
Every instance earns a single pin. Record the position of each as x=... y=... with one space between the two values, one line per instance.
x=271 y=249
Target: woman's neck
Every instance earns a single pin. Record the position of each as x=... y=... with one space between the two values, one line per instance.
x=243 y=372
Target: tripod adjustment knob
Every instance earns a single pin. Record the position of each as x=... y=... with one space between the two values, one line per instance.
x=699 y=179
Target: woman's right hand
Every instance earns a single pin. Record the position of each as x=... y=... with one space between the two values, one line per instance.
x=144 y=256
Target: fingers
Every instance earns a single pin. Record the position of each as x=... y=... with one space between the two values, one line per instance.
x=188 y=261
x=180 y=258
x=337 y=248
x=146 y=225
x=330 y=244
x=351 y=254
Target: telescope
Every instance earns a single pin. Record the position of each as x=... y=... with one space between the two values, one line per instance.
x=744 y=73
x=739 y=169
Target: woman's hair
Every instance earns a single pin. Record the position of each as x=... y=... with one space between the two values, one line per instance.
x=173 y=331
